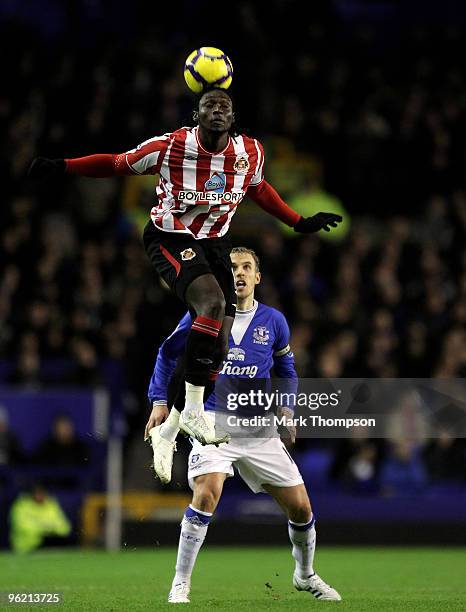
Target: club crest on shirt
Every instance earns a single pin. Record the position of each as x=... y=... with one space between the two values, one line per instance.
x=261 y=335
x=187 y=254
x=216 y=183
x=241 y=164
x=236 y=354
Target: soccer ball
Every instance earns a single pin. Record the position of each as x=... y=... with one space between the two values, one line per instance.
x=208 y=67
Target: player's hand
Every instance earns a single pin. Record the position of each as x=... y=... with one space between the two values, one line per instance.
x=287 y=432
x=321 y=220
x=158 y=415
x=43 y=168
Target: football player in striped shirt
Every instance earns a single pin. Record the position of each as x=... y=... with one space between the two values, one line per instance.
x=204 y=172
x=259 y=340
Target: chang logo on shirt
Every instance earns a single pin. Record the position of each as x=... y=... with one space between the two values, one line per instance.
x=261 y=335
x=216 y=183
x=236 y=354
x=229 y=369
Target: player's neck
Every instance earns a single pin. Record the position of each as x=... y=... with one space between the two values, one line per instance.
x=211 y=141
x=245 y=304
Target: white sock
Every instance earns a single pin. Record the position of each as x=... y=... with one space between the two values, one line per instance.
x=303 y=538
x=170 y=428
x=194 y=398
x=193 y=531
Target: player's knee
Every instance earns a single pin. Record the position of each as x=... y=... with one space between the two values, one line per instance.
x=206 y=499
x=212 y=306
x=205 y=296
x=300 y=513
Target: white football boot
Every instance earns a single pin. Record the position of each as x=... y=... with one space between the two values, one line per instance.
x=199 y=426
x=317 y=587
x=179 y=593
x=163 y=454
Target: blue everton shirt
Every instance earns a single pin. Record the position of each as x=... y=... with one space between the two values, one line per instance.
x=259 y=340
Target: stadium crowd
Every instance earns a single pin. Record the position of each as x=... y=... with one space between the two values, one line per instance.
x=385 y=123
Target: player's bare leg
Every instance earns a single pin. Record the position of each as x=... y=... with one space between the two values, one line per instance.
x=301 y=529
x=207 y=491
x=205 y=296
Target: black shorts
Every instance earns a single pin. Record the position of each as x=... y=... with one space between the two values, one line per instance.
x=179 y=259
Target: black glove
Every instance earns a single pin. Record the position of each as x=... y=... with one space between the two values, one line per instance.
x=43 y=168
x=319 y=221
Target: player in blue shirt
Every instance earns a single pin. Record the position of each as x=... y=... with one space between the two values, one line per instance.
x=259 y=340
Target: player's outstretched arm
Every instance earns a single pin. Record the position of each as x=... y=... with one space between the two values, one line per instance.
x=265 y=196
x=95 y=166
x=146 y=158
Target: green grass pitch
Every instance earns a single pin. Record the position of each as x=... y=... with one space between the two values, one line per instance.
x=233 y=579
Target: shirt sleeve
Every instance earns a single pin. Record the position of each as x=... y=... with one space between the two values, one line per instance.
x=165 y=363
x=101 y=165
x=258 y=176
x=147 y=157
x=283 y=358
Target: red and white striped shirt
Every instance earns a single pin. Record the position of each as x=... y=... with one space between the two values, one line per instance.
x=198 y=191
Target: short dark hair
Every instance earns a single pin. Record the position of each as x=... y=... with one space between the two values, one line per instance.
x=242 y=249
x=228 y=94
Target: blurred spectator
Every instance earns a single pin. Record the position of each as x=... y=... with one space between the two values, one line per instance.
x=35 y=516
x=85 y=371
x=63 y=447
x=27 y=367
x=360 y=472
x=445 y=458
x=402 y=472
x=407 y=423
x=10 y=450
x=356 y=463
x=452 y=360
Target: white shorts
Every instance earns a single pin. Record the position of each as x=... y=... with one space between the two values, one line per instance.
x=258 y=461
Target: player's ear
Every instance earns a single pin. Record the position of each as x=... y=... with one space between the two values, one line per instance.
x=195 y=116
x=258 y=278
